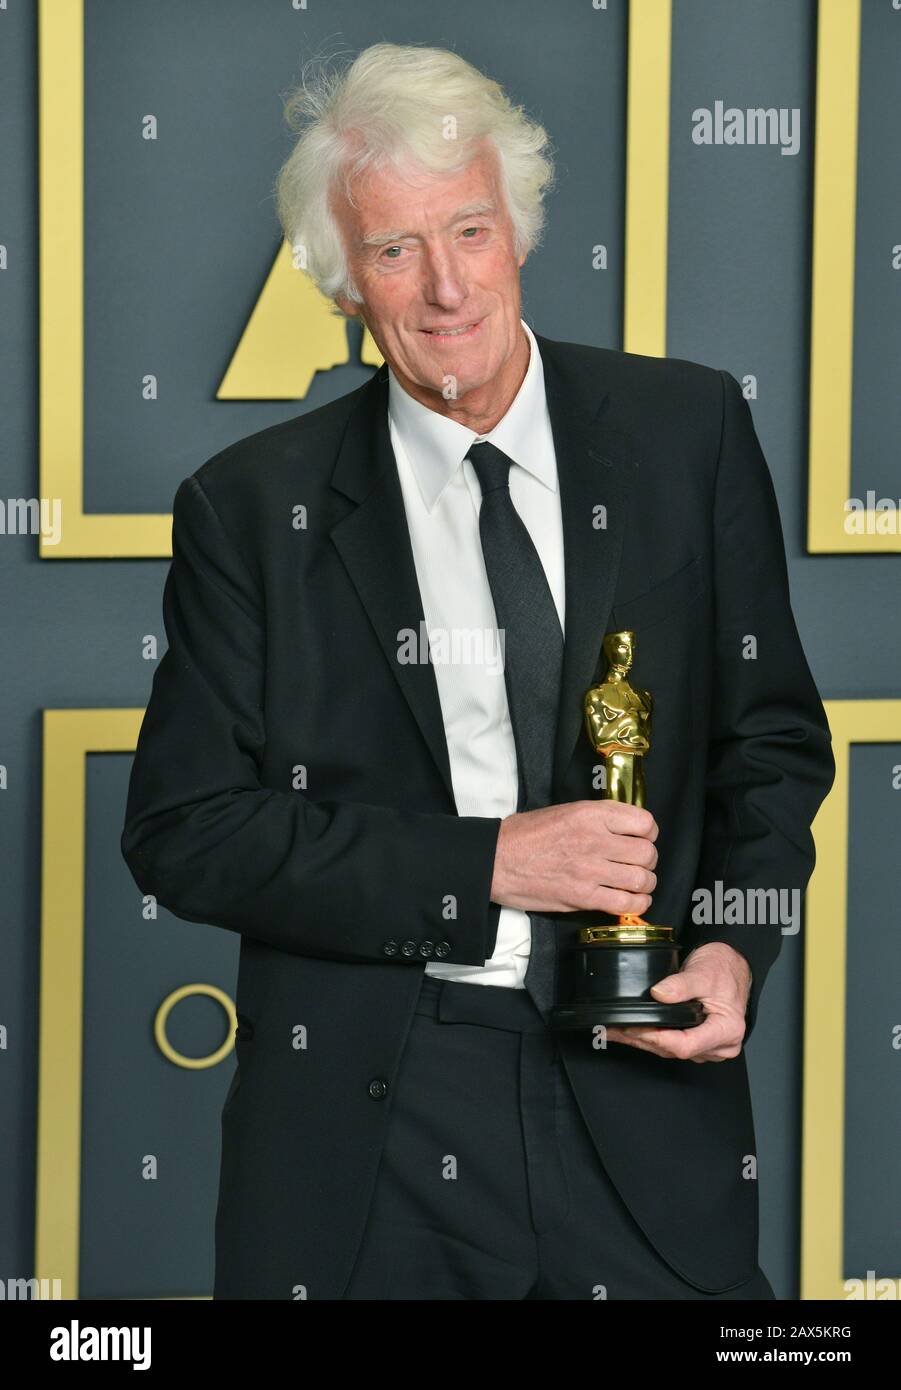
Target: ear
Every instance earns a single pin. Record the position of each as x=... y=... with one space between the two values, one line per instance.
x=347 y=306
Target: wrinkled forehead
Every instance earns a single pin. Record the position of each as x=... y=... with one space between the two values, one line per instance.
x=405 y=191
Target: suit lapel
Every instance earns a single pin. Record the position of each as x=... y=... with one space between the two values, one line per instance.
x=595 y=465
x=374 y=543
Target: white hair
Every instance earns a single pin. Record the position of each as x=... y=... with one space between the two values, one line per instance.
x=401 y=106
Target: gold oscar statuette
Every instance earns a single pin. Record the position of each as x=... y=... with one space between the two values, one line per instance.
x=612 y=967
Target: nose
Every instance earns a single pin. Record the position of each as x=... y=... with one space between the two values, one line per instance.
x=444 y=282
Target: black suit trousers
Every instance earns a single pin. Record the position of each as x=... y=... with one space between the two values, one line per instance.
x=490 y=1186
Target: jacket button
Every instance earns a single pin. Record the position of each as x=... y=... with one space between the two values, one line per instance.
x=378 y=1087
x=389 y=948
x=443 y=948
x=408 y=948
x=426 y=948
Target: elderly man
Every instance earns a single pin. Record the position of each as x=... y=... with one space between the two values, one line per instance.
x=404 y=844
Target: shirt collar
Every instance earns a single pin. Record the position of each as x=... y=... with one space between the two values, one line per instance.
x=436 y=446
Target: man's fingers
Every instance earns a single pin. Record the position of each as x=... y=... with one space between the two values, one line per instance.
x=717 y=1039
x=583 y=855
x=615 y=901
x=715 y=1036
x=631 y=849
x=674 y=988
x=625 y=819
x=632 y=877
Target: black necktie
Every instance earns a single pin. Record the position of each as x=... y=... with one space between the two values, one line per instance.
x=533 y=661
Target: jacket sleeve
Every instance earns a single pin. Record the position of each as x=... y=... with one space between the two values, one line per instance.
x=333 y=879
x=770 y=761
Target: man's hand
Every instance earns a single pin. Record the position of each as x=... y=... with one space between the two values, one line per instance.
x=600 y=856
x=720 y=977
x=595 y=855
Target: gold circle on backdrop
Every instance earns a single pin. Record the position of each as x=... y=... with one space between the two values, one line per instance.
x=163 y=1012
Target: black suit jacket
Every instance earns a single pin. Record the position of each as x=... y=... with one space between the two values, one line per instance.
x=292 y=783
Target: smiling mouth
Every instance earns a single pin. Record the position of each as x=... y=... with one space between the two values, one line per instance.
x=462 y=331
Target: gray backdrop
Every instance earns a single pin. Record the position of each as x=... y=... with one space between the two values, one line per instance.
x=179 y=238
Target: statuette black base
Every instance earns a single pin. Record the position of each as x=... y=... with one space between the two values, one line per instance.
x=610 y=983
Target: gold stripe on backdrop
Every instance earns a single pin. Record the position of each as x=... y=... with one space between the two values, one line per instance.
x=647 y=177
x=825 y=982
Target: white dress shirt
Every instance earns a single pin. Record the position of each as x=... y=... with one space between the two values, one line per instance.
x=442 y=498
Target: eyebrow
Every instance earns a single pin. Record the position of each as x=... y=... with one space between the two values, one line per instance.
x=471 y=210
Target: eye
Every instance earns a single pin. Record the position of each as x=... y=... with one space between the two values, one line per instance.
x=467 y=230
x=392 y=248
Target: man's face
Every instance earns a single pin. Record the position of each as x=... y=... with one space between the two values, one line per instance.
x=435 y=253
